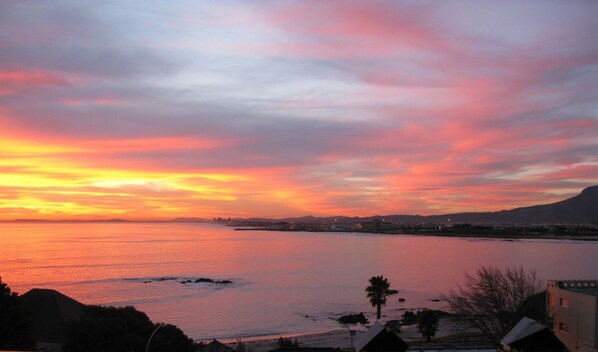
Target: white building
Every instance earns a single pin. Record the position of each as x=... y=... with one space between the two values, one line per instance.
x=572 y=307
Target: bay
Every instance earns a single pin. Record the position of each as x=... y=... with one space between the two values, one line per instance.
x=282 y=282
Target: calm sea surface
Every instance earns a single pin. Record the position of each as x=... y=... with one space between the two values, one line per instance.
x=283 y=282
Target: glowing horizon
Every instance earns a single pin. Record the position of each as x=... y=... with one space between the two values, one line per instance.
x=156 y=111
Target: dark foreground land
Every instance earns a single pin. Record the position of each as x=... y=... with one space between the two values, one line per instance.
x=509 y=232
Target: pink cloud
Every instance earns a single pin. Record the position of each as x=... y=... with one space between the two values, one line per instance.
x=98 y=101
x=322 y=107
x=355 y=29
x=17 y=80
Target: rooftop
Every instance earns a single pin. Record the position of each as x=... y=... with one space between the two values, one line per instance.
x=574 y=283
x=50 y=312
x=524 y=328
x=588 y=287
x=216 y=346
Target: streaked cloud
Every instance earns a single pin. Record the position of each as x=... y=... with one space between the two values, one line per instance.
x=158 y=110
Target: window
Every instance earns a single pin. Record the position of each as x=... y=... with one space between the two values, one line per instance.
x=563 y=327
x=564 y=302
x=551 y=299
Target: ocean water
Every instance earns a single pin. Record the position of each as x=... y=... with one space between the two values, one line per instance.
x=282 y=282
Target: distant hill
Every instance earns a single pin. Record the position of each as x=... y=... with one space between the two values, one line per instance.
x=581 y=209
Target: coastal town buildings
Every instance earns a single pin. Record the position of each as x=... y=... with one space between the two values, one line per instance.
x=377 y=225
x=572 y=307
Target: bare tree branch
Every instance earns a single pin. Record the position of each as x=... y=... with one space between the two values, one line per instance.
x=491 y=300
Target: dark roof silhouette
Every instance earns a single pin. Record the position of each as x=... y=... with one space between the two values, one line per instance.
x=306 y=349
x=380 y=337
x=216 y=346
x=49 y=313
x=529 y=335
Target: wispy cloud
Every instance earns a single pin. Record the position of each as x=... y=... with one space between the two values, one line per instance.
x=158 y=111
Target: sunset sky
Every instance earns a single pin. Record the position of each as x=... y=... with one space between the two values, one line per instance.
x=156 y=110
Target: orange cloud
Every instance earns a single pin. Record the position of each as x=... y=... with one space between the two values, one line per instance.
x=324 y=108
x=47 y=182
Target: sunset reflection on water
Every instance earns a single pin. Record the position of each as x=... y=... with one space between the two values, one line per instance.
x=283 y=282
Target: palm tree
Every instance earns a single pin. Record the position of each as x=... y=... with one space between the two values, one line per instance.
x=378 y=290
x=427 y=323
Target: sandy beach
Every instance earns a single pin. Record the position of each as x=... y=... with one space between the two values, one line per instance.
x=340 y=337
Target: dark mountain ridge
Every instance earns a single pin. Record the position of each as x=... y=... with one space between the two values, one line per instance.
x=580 y=209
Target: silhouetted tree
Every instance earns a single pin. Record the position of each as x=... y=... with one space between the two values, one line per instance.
x=492 y=301
x=427 y=323
x=409 y=318
x=242 y=346
x=122 y=330
x=14 y=325
x=284 y=342
x=172 y=339
x=352 y=319
x=377 y=292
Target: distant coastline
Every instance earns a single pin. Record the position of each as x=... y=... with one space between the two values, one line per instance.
x=580 y=211
x=519 y=234
x=503 y=232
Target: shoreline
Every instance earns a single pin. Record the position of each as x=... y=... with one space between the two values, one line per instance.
x=336 y=338
x=498 y=236
x=340 y=338
x=437 y=234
